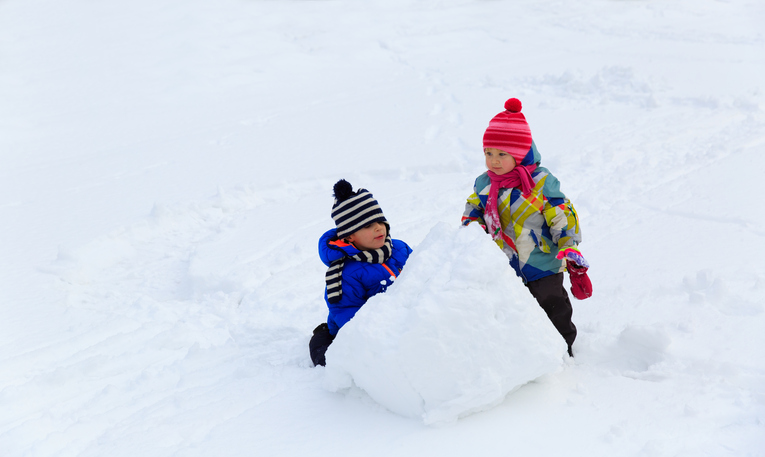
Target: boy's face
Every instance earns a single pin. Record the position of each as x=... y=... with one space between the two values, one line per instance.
x=498 y=161
x=370 y=237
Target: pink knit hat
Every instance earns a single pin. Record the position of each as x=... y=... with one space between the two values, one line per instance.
x=509 y=132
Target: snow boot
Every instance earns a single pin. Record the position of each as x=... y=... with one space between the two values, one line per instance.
x=319 y=344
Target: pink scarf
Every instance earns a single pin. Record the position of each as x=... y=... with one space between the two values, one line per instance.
x=520 y=177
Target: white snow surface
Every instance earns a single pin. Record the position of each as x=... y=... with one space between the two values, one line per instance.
x=166 y=173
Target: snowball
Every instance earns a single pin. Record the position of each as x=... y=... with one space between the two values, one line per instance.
x=455 y=334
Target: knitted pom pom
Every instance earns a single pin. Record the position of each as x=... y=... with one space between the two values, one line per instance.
x=343 y=190
x=513 y=105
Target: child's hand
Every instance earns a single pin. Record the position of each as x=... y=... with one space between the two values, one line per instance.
x=573 y=255
x=577 y=266
x=581 y=286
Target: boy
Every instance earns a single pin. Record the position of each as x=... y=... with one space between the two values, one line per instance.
x=362 y=258
x=519 y=203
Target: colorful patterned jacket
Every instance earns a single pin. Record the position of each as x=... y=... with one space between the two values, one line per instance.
x=534 y=229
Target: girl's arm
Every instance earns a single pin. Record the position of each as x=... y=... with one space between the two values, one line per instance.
x=560 y=215
x=473 y=211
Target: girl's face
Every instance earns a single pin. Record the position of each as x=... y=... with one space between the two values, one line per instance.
x=369 y=237
x=498 y=161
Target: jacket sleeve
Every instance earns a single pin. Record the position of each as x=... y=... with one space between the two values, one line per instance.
x=401 y=253
x=560 y=215
x=354 y=297
x=473 y=211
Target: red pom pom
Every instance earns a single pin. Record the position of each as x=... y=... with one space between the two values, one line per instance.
x=513 y=105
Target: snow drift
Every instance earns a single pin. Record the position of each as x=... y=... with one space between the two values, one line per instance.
x=455 y=335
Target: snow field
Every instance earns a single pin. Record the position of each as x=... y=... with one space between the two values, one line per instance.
x=147 y=313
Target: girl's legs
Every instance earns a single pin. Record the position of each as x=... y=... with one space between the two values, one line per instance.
x=553 y=299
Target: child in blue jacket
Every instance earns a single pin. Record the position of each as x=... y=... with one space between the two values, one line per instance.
x=362 y=258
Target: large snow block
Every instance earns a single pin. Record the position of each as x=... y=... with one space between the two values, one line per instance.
x=455 y=334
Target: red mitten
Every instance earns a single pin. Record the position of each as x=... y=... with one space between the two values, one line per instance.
x=581 y=286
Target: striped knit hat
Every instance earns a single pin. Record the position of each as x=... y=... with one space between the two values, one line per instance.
x=353 y=211
x=509 y=132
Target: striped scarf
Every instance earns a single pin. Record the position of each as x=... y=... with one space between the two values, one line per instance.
x=334 y=276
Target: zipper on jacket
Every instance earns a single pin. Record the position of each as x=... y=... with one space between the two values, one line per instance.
x=393 y=275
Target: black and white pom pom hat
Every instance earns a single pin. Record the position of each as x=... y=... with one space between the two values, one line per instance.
x=353 y=211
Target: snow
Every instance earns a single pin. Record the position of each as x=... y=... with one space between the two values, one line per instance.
x=454 y=336
x=167 y=170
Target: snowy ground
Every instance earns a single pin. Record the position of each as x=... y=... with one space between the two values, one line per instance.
x=167 y=170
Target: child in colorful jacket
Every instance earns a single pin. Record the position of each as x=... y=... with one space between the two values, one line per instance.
x=519 y=203
x=362 y=258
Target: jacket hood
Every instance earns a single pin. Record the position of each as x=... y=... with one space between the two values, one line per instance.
x=328 y=252
x=533 y=156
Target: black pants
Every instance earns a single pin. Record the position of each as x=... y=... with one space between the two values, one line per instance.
x=552 y=297
x=319 y=343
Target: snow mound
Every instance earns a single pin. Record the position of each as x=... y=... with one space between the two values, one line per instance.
x=454 y=336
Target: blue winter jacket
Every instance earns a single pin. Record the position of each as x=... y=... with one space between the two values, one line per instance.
x=361 y=280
